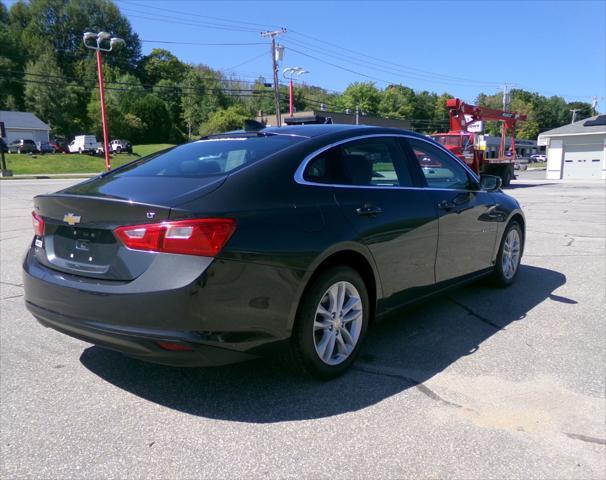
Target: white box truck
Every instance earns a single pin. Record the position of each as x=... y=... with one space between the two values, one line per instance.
x=83 y=143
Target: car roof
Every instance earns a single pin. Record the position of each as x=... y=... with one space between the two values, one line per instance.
x=316 y=130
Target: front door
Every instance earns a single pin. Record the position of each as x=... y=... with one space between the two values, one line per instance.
x=467 y=227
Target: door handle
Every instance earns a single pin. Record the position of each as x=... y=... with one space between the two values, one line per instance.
x=369 y=211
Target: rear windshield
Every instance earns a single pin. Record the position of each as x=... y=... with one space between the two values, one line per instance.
x=209 y=157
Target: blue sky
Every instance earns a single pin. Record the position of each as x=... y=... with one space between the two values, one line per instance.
x=553 y=47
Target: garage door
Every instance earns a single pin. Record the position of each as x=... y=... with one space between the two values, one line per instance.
x=583 y=161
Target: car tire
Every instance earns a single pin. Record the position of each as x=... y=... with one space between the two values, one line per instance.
x=331 y=323
x=510 y=255
x=119 y=150
x=506 y=176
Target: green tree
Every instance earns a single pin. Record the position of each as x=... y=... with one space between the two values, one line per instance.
x=11 y=66
x=152 y=112
x=397 y=101
x=160 y=64
x=231 y=118
x=584 y=110
x=58 y=25
x=42 y=97
x=262 y=99
x=364 y=95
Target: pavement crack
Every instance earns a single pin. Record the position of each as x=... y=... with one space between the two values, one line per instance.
x=20 y=285
x=471 y=312
x=13 y=296
x=570 y=240
x=585 y=438
x=392 y=373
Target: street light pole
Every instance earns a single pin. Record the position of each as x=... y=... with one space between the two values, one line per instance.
x=103 y=115
x=292 y=71
x=102 y=38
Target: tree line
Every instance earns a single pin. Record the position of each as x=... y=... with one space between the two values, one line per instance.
x=157 y=98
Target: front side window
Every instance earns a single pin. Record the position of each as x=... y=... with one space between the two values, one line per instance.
x=439 y=169
x=368 y=162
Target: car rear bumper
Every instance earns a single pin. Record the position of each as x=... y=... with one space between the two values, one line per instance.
x=141 y=343
x=225 y=312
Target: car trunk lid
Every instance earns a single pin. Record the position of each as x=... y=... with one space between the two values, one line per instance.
x=79 y=239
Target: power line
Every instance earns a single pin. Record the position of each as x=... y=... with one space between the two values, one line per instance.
x=427 y=72
x=244 y=62
x=399 y=71
x=177 y=90
x=137 y=85
x=412 y=71
x=181 y=21
x=191 y=14
x=204 y=44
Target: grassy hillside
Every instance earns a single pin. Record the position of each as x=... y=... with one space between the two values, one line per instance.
x=73 y=162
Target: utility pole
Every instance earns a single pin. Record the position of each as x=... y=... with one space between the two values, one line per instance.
x=574 y=114
x=357 y=115
x=274 y=60
x=506 y=98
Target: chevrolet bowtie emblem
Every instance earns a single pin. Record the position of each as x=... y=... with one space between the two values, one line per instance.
x=71 y=219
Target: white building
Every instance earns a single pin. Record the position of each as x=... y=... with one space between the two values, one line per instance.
x=24 y=125
x=577 y=150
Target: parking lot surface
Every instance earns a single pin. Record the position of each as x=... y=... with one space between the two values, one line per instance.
x=481 y=383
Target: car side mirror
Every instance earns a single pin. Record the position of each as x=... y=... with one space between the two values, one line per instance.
x=490 y=183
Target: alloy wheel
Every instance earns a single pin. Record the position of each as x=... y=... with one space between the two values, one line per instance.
x=511 y=254
x=338 y=323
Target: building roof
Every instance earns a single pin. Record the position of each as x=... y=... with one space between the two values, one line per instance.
x=25 y=120
x=576 y=128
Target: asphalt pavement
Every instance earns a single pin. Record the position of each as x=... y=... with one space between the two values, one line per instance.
x=482 y=383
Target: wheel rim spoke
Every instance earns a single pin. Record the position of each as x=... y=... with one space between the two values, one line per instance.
x=330 y=347
x=351 y=303
x=347 y=337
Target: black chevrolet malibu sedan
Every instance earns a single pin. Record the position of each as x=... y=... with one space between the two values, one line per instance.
x=286 y=240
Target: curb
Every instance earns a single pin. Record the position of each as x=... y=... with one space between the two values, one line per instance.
x=47 y=176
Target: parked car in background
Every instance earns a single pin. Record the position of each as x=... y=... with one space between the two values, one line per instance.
x=119 y=146
x=44 y=147
x=83 y=143
x=59 y=146
x=23 y=145
x=287 y=239
x=538 y=158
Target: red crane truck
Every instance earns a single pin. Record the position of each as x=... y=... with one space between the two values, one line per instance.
x=467 y=145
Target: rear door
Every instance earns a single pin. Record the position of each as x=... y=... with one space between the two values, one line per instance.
x=374 y=190
x=467 y=227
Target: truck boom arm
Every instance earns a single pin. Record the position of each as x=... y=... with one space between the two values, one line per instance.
x=458 y=109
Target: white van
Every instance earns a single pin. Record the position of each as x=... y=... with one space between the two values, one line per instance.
x=83 y=143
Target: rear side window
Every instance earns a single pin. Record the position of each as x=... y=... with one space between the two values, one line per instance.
x=214 y=156
x=368 y=162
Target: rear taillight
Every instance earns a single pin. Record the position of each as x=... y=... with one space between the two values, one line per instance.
x=38 y=224
x=205 y=236
x=175 y=347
